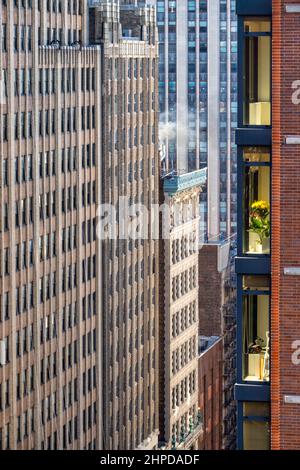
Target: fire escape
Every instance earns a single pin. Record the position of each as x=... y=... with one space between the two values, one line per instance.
x=229 y=359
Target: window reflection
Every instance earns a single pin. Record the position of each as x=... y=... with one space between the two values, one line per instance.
x=256 y=428
x=256 y=200
x=256 y=282
x=257 y=25
x=256 y=329
x=257 y=73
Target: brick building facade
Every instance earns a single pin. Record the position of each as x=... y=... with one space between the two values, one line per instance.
x=285 y=297
x=217 y=317
x=210 y=293
x=268 y=261
x=211 y=392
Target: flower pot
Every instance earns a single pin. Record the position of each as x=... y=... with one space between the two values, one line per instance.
x=259 y=247
x=266 y=245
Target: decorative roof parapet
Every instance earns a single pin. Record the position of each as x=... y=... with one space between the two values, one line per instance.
x=173 y=183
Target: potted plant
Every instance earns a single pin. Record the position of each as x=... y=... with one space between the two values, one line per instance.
x=260 y=222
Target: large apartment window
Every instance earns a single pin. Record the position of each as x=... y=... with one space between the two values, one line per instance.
x=256 y=328
x=257 y=72
x=256 y=200
x=256 y=426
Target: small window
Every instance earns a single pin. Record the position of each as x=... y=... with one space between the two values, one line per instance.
x=255 y=283
x=256 y=200
x=257 y=72
x=256 y=426
x=257 y=25
x=256 y=329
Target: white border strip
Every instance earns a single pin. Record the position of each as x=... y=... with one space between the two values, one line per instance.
x=292 y=140
x=292 y=271
x=292 y=8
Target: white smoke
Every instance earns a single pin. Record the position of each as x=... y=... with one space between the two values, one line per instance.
x=167 y=130
x=177 y=133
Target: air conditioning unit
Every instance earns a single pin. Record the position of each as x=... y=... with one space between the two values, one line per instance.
x=2 y=353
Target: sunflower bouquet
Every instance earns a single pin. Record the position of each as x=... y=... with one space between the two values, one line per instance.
x=260 y=220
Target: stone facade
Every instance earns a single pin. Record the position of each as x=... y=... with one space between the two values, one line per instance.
x=79 y=315
x=180 y=426
x=50 y=380
x=130 y=170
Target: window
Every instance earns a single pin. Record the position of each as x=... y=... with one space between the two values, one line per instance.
x=257 y=72
x=256 y=200
x=256 y=329
x=256 y=426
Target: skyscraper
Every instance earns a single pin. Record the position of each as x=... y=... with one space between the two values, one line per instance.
x=78 y=319
x=130 y=169
x=197 y=89
x=254 y=136
x=50 y=381
x=198 y=111
x=267 y=265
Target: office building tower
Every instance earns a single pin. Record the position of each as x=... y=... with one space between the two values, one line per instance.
x=180 y=421
x=198 y=108
x=78 y=320
x=198 y=99
x=50 y=288
x=197 y=90
x=267 y=265
x=127 y=36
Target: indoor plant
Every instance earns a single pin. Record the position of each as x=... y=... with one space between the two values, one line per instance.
x=260 y=221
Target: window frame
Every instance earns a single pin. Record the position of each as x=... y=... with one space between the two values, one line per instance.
x=241 y=292
x=244 y=166
x=241 y=64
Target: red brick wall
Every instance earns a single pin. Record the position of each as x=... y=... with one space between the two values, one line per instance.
x=285 y=305
x=210 y=292
x=210 y=397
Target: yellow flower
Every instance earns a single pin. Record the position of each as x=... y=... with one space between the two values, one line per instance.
x=260 y=206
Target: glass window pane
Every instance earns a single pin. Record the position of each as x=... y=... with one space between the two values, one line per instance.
x=256 y=338
x=256 y=210
x=257 y=80
x=256 y=426
x=256 y=283
x=256 y=154
x=256 y=409
x=257 y=25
